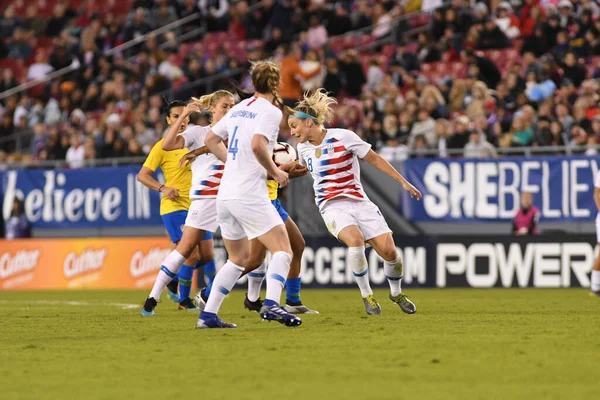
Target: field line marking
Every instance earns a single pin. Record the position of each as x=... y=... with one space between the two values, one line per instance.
x=125 y=306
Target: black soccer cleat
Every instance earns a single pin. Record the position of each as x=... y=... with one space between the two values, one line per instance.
x=188 y=305
x=149 y=306
x=172 y=290
x=253 y=305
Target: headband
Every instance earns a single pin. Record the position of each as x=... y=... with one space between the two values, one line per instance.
x=302 y=115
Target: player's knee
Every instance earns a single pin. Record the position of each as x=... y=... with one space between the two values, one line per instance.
x=207 y=256
x=356 y=241
x=389 y=253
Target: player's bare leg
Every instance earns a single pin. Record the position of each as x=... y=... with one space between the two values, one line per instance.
x=352 y=237
x=392 y=266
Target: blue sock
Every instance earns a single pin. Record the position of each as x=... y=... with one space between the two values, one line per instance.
x=210 y=270
x=185 y=281
x=292 y=290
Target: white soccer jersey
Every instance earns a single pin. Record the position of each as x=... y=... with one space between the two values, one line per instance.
x=334 y=165
x=244 y=177
x=207 y=169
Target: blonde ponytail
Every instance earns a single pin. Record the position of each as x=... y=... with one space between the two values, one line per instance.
x=317 y=105
x=209 y=100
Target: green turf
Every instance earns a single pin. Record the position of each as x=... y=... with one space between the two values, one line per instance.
x=462 y=344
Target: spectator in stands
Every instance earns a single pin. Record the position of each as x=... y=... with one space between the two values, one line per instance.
x=507 y=21
x=492 y=37
x=573 y=71
x=291 y=89
x=33 y=22
x=9 y=21
x=478 y=146
x=374 y=75
x=427 y=52
x=163 y=15
x=527 y=217
x=420 y=147
x=317 y=35
x=216 y=13
x=138 y=27
x=7 y=80
x=40 y=67
x=58 y=21
x=353 y=76
x=382 y=21
x=551 y=28
x=520 y=134
x=488 y=72
x=333 y=81
x=565 y=13
x=537 y=44
x=340 y=21
x=18 y=45
x=76 y=154
x=460 y=137
x=393 y=151
x=425 y=127
x=17 y=226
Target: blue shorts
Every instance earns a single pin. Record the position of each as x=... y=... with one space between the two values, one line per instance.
x=282 y=213
x=174 y=223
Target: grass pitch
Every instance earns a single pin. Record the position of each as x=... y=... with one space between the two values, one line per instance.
x=461 y=344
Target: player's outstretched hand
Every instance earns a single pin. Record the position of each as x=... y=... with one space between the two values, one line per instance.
x=282 y=178
x=414 y=192
x=294 y=169
x=187 y=159
x=171 y=193
x=192 y=108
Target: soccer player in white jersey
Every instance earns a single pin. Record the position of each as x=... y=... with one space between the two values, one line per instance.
x=595 y=284
x=244 y=210
x=331 y=156
x=207 y=171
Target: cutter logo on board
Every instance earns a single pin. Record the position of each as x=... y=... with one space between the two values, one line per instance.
x=88 y=261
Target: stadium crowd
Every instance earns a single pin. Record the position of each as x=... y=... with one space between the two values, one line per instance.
x=481 y=77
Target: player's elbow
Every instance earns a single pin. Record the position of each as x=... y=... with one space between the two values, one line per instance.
x=256 y=146
x=140 y=177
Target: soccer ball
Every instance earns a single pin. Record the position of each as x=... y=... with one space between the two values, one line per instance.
x=283 y=153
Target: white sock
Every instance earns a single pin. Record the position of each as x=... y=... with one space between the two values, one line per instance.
x=169 y=269
x=277 y=272
x=222 y=285
x=393 y=273
x=358 y=263
x=255 y=280
x=595 y=281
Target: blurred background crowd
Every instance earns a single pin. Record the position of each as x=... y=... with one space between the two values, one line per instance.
x=420 y=78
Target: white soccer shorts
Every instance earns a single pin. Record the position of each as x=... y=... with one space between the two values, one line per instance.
x=203 y=215
x=339 y=214
x=239 y=219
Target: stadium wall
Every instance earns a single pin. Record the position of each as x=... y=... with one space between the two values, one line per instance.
x=454 y=261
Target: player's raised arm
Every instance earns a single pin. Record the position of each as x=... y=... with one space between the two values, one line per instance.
x=381 y=164
x=172 y=140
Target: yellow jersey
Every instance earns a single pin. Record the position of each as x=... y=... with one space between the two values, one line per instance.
x=273 y=186
x=179 y=178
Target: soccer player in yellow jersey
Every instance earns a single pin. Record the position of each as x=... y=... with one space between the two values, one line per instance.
x=175 y=204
